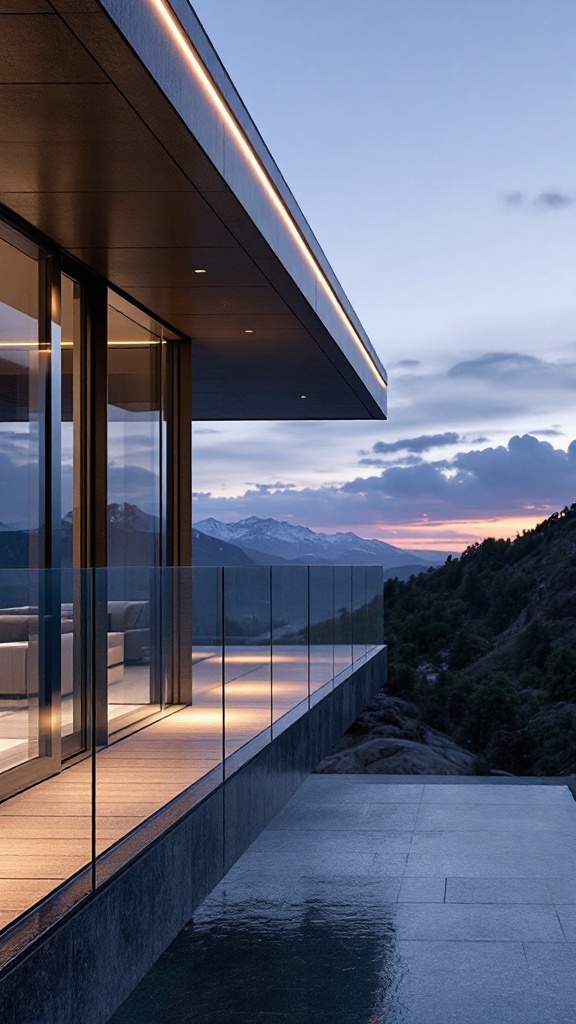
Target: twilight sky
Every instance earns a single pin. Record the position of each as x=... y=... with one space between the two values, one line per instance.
x=430 y=144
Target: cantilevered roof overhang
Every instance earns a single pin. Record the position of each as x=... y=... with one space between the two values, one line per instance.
x=123 y=140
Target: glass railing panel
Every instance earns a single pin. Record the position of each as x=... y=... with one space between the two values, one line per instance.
x=171 y=738
x=20 y=596
x=45 y=817
x=132 y=602
x=247 y=657
x=375 y=606
x=207 y=705
x=359 y=612
x=289 y=594
x=135 y=770
x=321 y=597
x=342 y=618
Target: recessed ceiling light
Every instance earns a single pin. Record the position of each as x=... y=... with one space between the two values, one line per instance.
x=303 y=396
x=248 y=332
x=199 y=271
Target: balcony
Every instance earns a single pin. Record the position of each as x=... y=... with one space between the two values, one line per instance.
x=169 y=683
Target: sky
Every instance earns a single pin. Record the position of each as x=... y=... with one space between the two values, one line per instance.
x=430 y=145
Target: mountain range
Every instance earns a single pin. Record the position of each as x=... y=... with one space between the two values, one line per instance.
x=268 y=541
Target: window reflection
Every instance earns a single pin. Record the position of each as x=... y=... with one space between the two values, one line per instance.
x=135 y=512
x=20 y=517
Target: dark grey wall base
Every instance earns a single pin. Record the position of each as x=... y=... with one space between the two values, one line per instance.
x=86 y=968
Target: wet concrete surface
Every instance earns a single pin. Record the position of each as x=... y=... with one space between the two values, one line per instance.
x=370 y=902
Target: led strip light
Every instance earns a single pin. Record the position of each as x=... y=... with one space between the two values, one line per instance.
x=185 y=47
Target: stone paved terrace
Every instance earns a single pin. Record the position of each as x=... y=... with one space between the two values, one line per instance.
x=379 y=900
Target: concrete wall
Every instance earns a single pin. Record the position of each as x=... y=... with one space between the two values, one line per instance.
x=84 y=969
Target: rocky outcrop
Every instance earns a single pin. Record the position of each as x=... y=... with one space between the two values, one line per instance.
x=388 y=739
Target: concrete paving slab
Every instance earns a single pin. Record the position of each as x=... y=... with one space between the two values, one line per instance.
x=491 y=854
x=553 y=981
x=567 y=917
x=422 y=890
x=521 y=816
x=473 y=922
x=562 y=890
x=498 y=890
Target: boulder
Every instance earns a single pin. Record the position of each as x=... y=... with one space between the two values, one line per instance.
x=388 y=739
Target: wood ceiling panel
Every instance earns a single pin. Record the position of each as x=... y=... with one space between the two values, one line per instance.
x=231 y=403
x=25 y=7
x=247 y=302
x=81 y=113
x=233 y=358
x=89 y=167
x=124 y=219
x=132 y=268
x=266 y=329
x=39 y=48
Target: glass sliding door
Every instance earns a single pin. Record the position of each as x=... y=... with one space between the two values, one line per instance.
x=27 y=710
x=135 y=514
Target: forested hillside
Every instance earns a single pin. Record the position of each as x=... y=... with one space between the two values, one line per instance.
x=485 y=646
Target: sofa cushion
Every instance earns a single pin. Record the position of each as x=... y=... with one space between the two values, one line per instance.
x=13 y=627
x=123 y=615
x=23 y=610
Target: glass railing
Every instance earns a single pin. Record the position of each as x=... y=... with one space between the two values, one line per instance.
x=128 y=694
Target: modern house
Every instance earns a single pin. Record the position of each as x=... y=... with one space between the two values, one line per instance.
x=155 y=270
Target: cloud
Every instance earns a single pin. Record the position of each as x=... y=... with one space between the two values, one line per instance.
x=268 y=488
x=526 y=477
x=514 y=199
x=17 y=505
x=405 y=364
x=134 y=484
x=482 y=390
x=406 y=460
x=494 y=364
x=423 y=443
x=205 y=430
x=551 y=200
x=500 y=481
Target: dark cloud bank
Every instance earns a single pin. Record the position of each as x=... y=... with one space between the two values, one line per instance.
x=525 y=477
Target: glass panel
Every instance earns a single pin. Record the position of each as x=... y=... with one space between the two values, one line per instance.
x=289 y=641
x=46 y=830
x=342 y=617
x=73 y=688
x=359 y=612
x=247 y=656
x=207 y=711
x=135 y=503
x=20 y=507
x=375 y=605
x=321 y=590
x=135 y=600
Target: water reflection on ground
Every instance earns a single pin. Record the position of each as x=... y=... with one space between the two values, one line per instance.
x=288 y=960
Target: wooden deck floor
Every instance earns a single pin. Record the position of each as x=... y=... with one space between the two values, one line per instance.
x=46 y=832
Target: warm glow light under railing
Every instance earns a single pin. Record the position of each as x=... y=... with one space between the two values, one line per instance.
x=213 y=94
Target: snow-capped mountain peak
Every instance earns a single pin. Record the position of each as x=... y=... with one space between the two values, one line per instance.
x=299 y=543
